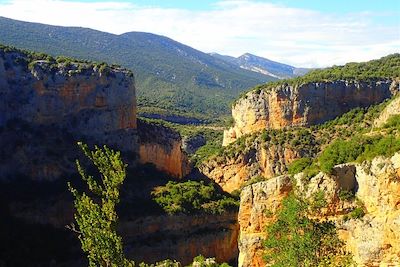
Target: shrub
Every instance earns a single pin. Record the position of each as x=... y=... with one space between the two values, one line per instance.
x=299 y=165
x=346 y=195
x=191 y=197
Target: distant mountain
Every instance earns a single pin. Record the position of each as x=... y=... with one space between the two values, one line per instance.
x=262 y=65
x=170 y=76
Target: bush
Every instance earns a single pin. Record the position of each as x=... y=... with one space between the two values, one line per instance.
x=299 y=165
x=192 y=197
x=346 y=195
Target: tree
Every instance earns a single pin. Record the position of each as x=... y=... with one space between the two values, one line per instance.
x=295 y=240
x=95 y=212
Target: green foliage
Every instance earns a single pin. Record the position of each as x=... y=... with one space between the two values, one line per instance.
x=201 y=261
x=30 y=60
x=357 y=213
x=299 y=165
x=341 y=151
x=346 y=195
x=393 y=122
x=294 y=240
x=318 y=200
x=253 y=180
x=358 y=148
x=95 y=215
x=193 y=197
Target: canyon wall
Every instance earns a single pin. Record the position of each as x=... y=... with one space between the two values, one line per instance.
x=181 y=237
x=373 y=239
x=45 y=107
x=264 y=159
x=162 y=147
x=303 y=105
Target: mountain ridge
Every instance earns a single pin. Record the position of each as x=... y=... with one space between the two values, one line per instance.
x=170 y=76
x=263 y=65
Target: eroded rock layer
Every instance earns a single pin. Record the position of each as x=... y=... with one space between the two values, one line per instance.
x=303 y=105
x=162 y=147
x=182 y=237
x=45 y=107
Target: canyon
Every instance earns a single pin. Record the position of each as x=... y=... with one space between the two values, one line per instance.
x=49 y=104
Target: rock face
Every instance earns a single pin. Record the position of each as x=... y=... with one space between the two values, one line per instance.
x=303 y=105
x=255 y=200
x=182 y=237
x=393 y=108
x=373 y=239
x=231 y=173
x=46 y=106
x=162 y=147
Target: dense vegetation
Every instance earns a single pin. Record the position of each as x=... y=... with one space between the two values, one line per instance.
x=169 y=75
x=355 y=147
x=193 y=197
x=295 y=240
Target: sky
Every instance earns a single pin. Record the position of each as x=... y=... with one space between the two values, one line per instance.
x=302 y=33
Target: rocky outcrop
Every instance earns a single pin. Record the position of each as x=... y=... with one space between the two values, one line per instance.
x=393 y=108
x=232 y=173
x=373 y=239
x=46 y=106
x=162 y=146
x=255 y=201
x=182 y=237
x=304 y=104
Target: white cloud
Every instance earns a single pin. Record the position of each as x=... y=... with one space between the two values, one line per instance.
x=295 y=36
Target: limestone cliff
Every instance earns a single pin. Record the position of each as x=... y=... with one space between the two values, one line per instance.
x=267 y=155
x=182 y=237
x=46 y=106
x=373 y=239
x=162 y=147
x=304 y=104
x=254 y=201
x=231 y=173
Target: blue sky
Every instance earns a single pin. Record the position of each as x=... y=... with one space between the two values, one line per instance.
x=309 y=33
x=320 y=5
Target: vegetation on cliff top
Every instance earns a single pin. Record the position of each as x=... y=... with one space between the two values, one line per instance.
x=385 y=67
x=32 y=59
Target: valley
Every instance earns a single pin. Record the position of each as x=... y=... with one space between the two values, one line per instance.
x=306 y=172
